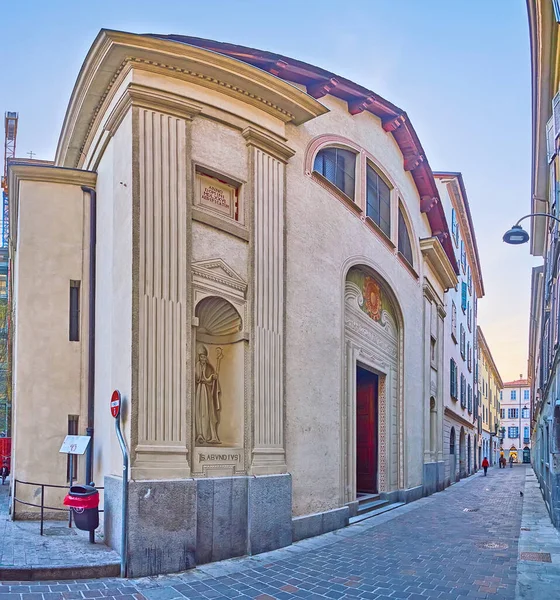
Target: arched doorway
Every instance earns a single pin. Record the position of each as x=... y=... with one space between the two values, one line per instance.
x=476 y=452
x=452 y=456
x=462 y=454
x=372 y=449
x=469 y=454
x=526 y=455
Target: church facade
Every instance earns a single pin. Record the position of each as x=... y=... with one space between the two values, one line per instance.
x=254 y=252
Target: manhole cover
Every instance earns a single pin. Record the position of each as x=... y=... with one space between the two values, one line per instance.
x=470 y=509
x=492 y=545
x=58 y=531
x=536 y=556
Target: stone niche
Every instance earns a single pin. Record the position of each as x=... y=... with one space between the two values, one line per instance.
x=219 y=374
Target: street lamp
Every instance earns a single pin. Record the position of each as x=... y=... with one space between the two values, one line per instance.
x=517 y=235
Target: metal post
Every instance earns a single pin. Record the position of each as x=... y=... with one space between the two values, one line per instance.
x=124 y=515
x=71 y=473
x=42 y=506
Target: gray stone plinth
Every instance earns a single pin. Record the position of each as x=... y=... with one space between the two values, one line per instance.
x=316 y=524
x=222 y=520
x=270 y=512
x=434 y=475
x=162 y=523
x=411 y=494
x=112 y=511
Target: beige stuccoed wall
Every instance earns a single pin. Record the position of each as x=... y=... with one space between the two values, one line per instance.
x=323 y=238
x=48 y=384
x=113 y=357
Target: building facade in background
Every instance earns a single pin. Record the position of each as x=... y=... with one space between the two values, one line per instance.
x=489 y=386
x=544 y=330
x=461 y=434
x=270 y=267
x=515 y=420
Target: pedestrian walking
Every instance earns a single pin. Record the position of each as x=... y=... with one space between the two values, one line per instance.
x=4 y=472
x=485 y=465
x=510 y=461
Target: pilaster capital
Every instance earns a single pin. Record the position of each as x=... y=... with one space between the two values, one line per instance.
x=151 y=99
x=270 y=144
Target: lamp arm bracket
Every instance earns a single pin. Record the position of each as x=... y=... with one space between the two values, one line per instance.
x=537 y=215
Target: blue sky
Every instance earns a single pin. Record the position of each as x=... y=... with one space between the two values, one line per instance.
x=461 y=70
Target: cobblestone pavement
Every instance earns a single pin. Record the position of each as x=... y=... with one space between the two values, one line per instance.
x=459 y=544
x=22 y=548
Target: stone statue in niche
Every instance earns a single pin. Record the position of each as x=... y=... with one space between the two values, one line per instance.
x=208 y=397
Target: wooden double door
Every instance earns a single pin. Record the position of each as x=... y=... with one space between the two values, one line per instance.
x=367 y=431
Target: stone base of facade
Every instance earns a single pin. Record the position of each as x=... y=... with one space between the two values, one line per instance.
x=174 y=525
x=316 y=524
x=434 y=477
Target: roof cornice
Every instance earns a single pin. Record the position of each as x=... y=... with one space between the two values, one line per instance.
x=435 y=255
x=460 y=201
x=319 y=83
x=486 y=350
x=114 y=51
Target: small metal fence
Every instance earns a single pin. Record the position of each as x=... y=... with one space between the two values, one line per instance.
x=43 y=506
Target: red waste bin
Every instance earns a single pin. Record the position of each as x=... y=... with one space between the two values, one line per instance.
x=83 y=501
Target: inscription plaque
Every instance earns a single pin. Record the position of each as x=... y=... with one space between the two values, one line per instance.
x=217 y=196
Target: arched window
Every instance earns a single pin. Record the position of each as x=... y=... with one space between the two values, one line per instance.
x=452 y=441
x=378 y=201
x=339 y=167
x=405 y=248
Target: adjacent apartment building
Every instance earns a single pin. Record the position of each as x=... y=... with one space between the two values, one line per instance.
x=460 y=422
x=515 y=420
x=544 y=332
x=489 y=387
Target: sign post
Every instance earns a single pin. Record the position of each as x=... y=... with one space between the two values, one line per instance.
x=74 y=444
x=116 y=413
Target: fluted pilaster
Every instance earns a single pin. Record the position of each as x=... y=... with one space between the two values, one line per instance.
x=268 y=157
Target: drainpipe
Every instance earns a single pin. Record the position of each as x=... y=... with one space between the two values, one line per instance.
x=91 y=331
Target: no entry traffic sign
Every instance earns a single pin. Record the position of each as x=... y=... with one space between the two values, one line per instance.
x=116 y=403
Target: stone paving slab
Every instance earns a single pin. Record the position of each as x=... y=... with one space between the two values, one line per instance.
x=431 y=548
x=60 y=552
x=537 y=580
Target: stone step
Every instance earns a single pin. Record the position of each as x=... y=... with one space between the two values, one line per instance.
x=363 y=498
x=372 y=505
x=375 y=513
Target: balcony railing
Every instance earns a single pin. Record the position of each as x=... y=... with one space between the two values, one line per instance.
x=526 y=440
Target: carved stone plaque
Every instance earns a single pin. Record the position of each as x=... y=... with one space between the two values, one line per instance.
x=217 y=196
x=215 y=461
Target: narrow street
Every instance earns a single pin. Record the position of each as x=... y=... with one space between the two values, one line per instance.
x=460 y=543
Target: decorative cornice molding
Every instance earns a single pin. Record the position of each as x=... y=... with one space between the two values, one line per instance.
x=322 y=88
x=219 y=271
x=114 y=52
x=413 y=162
x=358 y=106
x=460 y=419
x=390 y=125
x=151 y=99
x=268 y=143
x=50 y=174
x=436 y=257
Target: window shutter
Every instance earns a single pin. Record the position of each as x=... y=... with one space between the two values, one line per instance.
x=556 y=114
x=464 y=296
x=550 y=140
